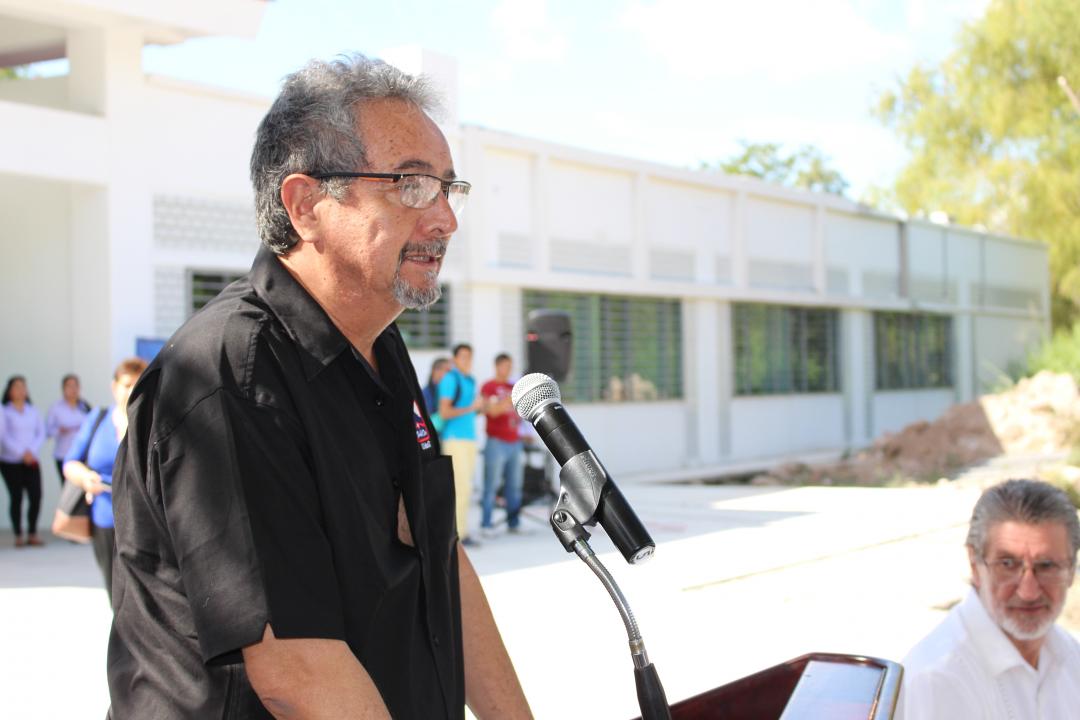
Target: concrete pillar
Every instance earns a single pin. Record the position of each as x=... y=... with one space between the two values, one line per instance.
x=540 y=231
x=818 y=270
x=739 y=270
x=106 y=79
x=723 y=368
x=702 y=388
x=486 y=329
x=963 y=339
x=857 y=376
x=91 y=313
x=639 y=242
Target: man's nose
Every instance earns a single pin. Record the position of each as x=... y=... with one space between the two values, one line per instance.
x=440 y=217
x=1029 y=588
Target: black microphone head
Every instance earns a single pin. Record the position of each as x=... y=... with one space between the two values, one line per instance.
x=532 y=392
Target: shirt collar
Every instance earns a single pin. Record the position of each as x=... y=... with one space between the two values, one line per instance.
x=993 y=645
x=318 y=339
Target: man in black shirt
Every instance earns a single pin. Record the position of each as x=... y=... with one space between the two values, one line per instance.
x=284 y=519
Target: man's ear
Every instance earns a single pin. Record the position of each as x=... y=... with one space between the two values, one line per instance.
x=300 y=194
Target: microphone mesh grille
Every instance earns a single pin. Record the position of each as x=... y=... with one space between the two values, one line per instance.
x=531 y=391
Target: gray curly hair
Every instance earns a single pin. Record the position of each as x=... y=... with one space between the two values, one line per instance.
x=312 y=128
x=1025 y=501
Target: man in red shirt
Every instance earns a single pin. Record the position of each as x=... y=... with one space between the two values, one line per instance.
x=503 y=453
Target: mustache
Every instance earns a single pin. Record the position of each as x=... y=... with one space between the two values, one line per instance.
x=1042 y=603
x=435 y=248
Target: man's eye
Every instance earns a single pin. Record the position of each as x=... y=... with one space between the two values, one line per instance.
x=1008 y=563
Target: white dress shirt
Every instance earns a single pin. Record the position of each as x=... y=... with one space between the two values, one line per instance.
x=968 y=668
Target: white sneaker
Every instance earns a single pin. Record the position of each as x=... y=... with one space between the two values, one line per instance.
x=488 y=533
x=519 y=530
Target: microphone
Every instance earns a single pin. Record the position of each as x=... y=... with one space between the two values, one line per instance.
x=587 y=488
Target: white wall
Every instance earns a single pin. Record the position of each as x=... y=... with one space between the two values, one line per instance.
x=999 y=342
x=201 y=140
x=688 y=228
x=41 y=286
x=631 y=438
x=894 y=409
x=779 y=244
x=862 y=256
x=777 y=425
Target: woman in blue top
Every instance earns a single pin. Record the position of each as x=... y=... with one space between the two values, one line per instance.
x=97 y=443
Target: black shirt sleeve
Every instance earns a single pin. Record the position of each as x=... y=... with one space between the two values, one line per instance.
x=244 y=517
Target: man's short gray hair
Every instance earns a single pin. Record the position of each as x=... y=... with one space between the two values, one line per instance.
x=312 y=128
x=1031 y=502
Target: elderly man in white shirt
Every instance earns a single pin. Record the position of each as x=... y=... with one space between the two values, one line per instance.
x=998 y=654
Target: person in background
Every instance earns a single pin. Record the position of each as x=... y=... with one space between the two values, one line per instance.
x=64 y=419
x=98 y=443
x=20 y=445
x=503 y=452
x=999 y=654
x=439 y=368
x=458 y=404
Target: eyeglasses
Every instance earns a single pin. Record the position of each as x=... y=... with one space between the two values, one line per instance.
x=1010 y=570
x=416 y=190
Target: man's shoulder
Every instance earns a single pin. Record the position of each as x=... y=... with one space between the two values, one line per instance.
x=217 y=349
x=941 y=649
x=1066 y=645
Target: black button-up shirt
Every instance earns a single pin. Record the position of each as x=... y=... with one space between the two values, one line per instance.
x=260 y=482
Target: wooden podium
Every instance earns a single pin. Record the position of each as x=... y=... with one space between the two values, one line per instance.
x=818 y=686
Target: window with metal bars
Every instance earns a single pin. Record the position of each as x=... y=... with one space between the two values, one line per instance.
x=781 y=349
x=624 y=348
x=425 y=329
x=205 y=286
x=912 y=350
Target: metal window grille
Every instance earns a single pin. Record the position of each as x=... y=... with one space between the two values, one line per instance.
x=430 y=328
x=912 y=351
x=624 y=349
x=782 y=349
x=205 y=286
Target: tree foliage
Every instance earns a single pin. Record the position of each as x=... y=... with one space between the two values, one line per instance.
x=805 y=168
x=994 y=140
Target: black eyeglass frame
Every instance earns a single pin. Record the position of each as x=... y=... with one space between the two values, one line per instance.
x=395 y=178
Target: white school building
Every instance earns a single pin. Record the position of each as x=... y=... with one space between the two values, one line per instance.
x=719 y=322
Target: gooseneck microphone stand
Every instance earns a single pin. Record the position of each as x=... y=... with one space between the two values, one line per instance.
x=575 y=538
x=587 y=496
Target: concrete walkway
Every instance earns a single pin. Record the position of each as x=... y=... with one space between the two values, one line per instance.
x=743 y=578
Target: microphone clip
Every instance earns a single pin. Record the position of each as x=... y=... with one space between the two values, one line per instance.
x=582 y=481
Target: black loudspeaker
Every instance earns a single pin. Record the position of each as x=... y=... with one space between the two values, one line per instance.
x=549 y=340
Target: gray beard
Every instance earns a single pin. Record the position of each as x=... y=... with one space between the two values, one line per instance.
x=417 y=298
x=1011 y=626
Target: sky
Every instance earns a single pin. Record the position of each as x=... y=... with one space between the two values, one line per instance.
x=679 y=82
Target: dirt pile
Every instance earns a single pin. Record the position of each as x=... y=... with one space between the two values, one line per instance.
x=1037 y=415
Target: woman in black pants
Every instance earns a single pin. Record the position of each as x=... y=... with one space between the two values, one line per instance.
x=89 y=462
x=22 y=431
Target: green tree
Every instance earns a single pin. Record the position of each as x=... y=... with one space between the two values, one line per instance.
x=994 y=140
x=805 y=168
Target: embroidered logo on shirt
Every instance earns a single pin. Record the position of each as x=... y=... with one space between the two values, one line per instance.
x=423 y=436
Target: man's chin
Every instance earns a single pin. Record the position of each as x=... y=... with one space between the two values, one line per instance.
x=1028 y=628
x=416 y=297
